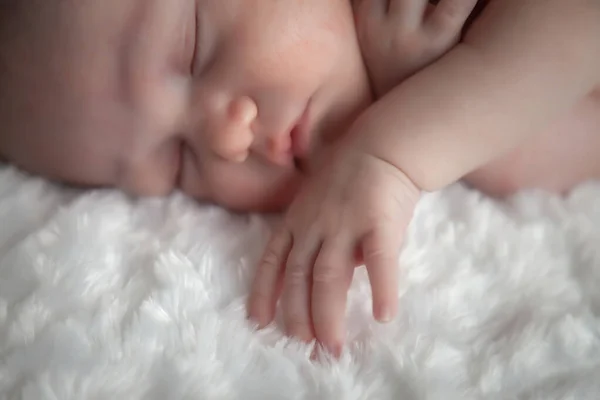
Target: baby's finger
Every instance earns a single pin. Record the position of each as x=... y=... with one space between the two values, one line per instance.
x=380 y=249
x=371 y=8
x=407 y=13
x=449 y=17
x=295 y=299
x=332 y=275
x=267 y=280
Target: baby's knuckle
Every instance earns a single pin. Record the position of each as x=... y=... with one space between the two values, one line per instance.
x=326 y=274
x=270 y=258
x=296 y=273
x=259 y=297
x=376 y=253
x=296 y=322
x=453 y=18
x=382 y=258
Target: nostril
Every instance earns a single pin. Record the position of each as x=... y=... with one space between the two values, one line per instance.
x=233 y=144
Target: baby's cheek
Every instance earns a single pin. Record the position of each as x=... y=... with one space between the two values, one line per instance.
x=153 y=175
x=293 y=56
x=274 y=199
x=254 y=191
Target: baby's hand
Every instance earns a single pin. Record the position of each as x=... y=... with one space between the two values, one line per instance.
x=356 y=209
x=400 y=37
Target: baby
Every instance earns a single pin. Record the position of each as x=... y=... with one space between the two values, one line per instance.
x=238 y=102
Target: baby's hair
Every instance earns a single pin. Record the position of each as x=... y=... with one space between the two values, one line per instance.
x=9 y=12
x=7 y=5
x=8 y=9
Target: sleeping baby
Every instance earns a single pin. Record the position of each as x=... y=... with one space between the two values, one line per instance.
x=340 y=112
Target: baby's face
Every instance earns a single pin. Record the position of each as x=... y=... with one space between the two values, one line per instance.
x=231 y=101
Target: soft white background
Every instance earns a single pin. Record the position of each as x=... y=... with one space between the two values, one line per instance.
x=102 y=297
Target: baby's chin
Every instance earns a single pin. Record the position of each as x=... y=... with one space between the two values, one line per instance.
x=327 y=144
x=265 y=206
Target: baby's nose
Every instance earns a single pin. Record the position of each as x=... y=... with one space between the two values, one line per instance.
x=233 y=135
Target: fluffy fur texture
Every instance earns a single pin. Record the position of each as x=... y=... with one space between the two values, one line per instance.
x=102 y=297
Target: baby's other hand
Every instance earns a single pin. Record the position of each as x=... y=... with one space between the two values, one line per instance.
x=400 y=37
x=355 y=210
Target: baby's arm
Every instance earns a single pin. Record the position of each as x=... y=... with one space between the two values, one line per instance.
x=523 y=63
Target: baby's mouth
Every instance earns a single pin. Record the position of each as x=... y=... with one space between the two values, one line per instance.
x=300 y=137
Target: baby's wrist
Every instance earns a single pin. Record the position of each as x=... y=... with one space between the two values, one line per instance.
x=360 y=146
x=372 y=136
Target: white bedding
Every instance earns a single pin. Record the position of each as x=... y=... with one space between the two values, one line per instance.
x=105 y=298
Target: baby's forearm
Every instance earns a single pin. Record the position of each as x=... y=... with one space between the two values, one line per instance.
x=514 y=74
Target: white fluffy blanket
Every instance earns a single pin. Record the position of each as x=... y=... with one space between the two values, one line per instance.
x=105 y=298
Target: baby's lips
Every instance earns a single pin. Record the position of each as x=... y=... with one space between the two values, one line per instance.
x=300 y=135
x=279 y=150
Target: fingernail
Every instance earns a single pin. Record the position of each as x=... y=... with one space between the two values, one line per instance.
x=250 y=318
x=384 y=315
x=322 y=349
x=257 y=320
x=336 y=350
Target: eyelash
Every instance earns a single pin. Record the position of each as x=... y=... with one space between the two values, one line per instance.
x=181 y=163
x=195 y=46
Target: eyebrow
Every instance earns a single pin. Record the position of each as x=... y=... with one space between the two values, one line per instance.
x=195 y=36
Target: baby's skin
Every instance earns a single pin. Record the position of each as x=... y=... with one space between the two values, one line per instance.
x=259 y=104
x=514 y=105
